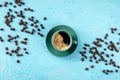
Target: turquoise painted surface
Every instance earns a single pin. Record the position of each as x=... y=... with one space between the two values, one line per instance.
x=89 y=18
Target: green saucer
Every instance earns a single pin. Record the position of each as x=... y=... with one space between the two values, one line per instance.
x=54 y=40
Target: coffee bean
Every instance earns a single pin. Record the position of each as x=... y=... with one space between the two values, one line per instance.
x=92 y=66
x=112 y=55
x=0 y=5
x=13 y=29
x=25 y=39
x=82 y=59
x=26 y=52
x=10 y=3
x=18 y=61
x=1 y=29
x=25 y=49
x=116 y=70
x=6 y=48
x=86 y=69
x=45 y=18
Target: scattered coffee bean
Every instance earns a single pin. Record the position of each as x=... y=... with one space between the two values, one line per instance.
x=14 y=14
x=86 y=69
x=18 y=61
x=45 y=18
x=103 y=56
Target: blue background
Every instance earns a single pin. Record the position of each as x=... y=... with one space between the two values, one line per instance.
x=89 y=19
